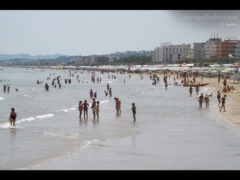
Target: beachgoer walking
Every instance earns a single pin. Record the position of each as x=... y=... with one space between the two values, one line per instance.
x=219 y=98
x=223 y=103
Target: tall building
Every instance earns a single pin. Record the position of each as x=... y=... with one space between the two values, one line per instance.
x=236 y=51
x=199 y=50
x=168 y=53
x=210 y=47
x=225 y=48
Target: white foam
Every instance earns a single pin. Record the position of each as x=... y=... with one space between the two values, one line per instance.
x=83 y=145
x=44 y=116
x=1 y=98
x=64 y=136
x=67 y=109
x=7 y=125
x=102 y=102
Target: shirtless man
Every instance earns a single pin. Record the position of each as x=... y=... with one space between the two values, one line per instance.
x=85 y=108
x=80 y=108
x=223 y=103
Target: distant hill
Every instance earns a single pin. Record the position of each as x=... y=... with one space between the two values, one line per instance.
x=27 y=56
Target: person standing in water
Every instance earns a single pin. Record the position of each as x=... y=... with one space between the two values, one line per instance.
x=197 y=90
x=46 y=87
x=91 y=93
x=134 y=111
x=110 y=92
x=223 y=103
x=8 y=88
x=97 y=109
x=12 y=117
x=219 y=98
x=206 y=101
x=190 y=91
x=200 y=100
x=80 y=108
x=4 y=88
x=85 y=108
x=94 y=108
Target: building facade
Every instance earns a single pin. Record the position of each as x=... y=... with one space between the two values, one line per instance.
x=199 y=50
x=210 y=47
x=225 y=48
x=168 y=53
x=236 y=51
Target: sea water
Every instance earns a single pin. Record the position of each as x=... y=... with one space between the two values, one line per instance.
x=170 y=126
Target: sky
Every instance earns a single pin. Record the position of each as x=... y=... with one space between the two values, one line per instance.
x=88 y=32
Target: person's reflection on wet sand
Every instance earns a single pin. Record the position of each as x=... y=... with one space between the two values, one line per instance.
x=95 y=122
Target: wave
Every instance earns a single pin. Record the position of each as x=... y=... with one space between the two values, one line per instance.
x=64 y=136
x=67 y=109
x=7 y=125
x=105 y=101
x=67 y=154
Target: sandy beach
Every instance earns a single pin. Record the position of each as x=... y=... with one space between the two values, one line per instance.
x=233 y=99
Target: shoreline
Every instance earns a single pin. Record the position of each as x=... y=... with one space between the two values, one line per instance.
x=232 y=114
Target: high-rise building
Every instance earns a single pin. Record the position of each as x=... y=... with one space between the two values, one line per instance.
x=210 y=47
x=168 y=53
x=199 y=50
x=225 y=48
x=236 y=51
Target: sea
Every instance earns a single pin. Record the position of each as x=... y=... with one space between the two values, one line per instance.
x=170 y=132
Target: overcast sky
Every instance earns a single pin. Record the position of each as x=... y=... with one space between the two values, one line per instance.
x=104 y=31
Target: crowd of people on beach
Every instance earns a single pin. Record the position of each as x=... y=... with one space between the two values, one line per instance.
x=186 y=79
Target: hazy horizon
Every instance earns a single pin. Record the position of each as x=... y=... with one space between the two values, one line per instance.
x=88 y=32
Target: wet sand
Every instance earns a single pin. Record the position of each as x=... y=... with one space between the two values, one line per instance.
x=232 y=102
